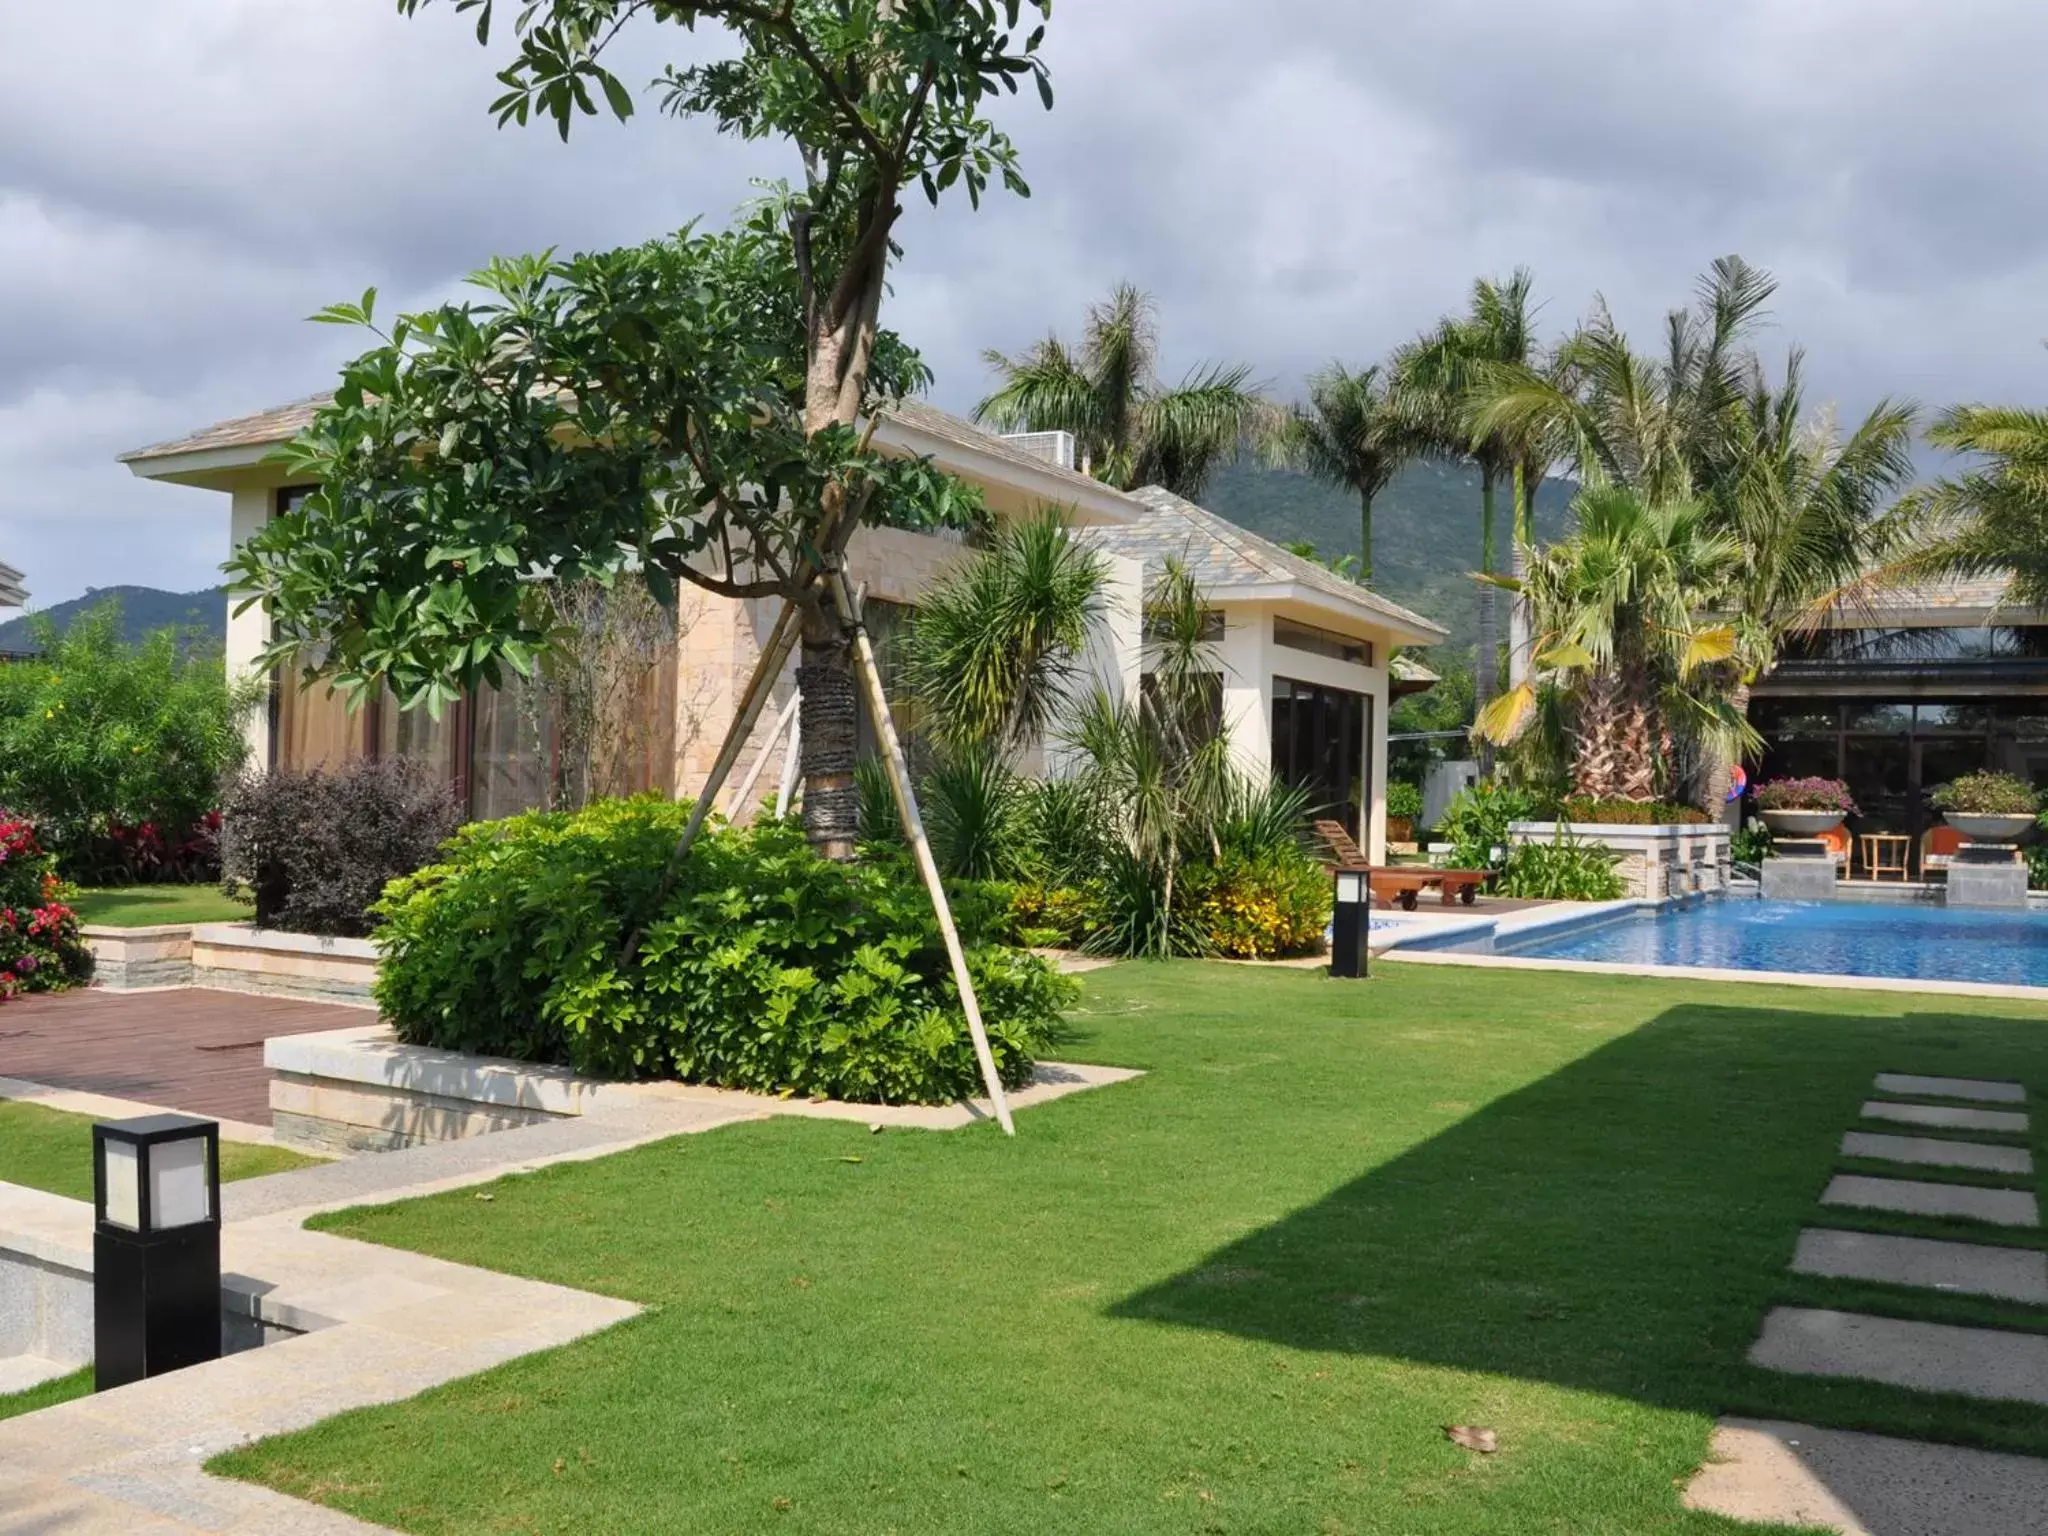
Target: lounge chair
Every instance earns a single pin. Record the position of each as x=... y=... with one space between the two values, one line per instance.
x=1403 y=883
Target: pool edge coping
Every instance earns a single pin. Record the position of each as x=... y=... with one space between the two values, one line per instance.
x=1924 y=985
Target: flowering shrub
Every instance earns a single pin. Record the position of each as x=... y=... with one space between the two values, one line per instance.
x=1267 y=908
x=1987 y=794
x=764 y=967
x=1804 y=795
x=1054 y=916
x=40 y=946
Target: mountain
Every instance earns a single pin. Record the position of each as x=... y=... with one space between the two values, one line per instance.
x=142 y=609
x=1425 y=529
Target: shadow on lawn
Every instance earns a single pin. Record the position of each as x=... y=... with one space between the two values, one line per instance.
x=1618 y=1226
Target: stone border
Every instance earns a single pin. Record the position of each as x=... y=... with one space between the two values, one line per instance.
x=105 y=1107
x=1657 y=861
x=240 y=957
x=358 y=1089
x=132 y=959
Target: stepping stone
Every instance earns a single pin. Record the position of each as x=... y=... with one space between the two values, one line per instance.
x=1944 y=1118
x=1866 y=1485
x=1950 y=1088
x=2000 y=1207
x=1925 y=1357
x=1937 y=1153
x=2012 y=1274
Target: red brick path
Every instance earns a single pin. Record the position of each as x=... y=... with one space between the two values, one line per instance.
x=190 y=1049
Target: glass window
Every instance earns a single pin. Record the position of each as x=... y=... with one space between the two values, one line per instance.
x=1795 y=720
x=1319 y=744
x=512 y=757
x=416 y=734
x=312 y=725
x=1321 y=642
x=1951 y=720
x=1880 y=719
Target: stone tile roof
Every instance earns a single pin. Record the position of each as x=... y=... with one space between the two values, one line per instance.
x=1220 y=555
x=929 y=418
x=263 y=429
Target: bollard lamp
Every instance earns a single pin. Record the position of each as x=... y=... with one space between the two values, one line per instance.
x=1350 y=921
x=156 y=1246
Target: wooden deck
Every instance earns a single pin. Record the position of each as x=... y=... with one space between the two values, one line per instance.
x=191 y=1049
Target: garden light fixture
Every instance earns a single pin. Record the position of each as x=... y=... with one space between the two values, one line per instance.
x=156 y=1246
x=1350 y=920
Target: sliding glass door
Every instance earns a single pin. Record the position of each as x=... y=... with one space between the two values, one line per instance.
x=1319 y=744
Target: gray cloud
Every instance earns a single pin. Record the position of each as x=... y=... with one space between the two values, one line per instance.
x=182 y=181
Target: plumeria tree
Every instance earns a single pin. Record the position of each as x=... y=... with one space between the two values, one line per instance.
x=688 y=409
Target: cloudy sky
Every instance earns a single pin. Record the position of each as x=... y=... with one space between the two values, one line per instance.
x=181 y=181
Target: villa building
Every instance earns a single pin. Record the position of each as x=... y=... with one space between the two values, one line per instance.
x=1930 y=684
x=13 y=594
x=1306 y=658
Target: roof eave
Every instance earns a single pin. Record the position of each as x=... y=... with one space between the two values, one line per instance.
x=199 y=466
x=1404 y=630
x=1101 y=504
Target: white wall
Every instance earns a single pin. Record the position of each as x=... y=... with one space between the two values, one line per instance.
x=248 y=633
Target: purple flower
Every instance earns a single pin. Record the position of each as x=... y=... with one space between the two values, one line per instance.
x=26 y=965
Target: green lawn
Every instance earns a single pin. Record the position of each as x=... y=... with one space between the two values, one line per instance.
x=141 y=906
x=1242 y=1294
x=45 y=1149
x=48 y=1395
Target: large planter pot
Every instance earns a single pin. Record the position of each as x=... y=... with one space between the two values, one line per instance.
x=1801 y=823
x=1400 y=829
x=1988 y=829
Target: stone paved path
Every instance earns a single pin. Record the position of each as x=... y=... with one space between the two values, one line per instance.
x=1873 y=1485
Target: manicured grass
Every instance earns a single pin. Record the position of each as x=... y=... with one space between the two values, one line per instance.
x=45 y=1149
x=48 y=1395
x=1244 y=1293
x=142 y=906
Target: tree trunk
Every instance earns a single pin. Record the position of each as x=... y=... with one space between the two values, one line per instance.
x=1639 y=733
x=1521 y=624
x=1486 y=664
x=830 y=735
x=1720 y=778
x=1593 y=735
x=1365 y=538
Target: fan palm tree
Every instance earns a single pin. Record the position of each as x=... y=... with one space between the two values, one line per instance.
x=1621 y=610
x=1352 y=434
x=1990 y=520
x=1440 y=378
x=1130 y=429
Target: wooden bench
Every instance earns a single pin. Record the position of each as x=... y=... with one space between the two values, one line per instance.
x=1403 y=883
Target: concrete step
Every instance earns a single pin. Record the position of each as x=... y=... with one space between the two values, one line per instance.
x=1925 y=1357
x=1933 y=1152
x=1981 y=1089
x=1867 y=1485
x=2012 y=1274
x=1915 y=1197
x=1945 y=1117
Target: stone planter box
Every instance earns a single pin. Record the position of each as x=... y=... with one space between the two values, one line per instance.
x=1801 y=823
x=127 y=959
x=240 y=957
x=1655 y=863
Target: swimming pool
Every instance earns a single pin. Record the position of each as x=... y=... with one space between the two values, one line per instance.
x=1921 y=941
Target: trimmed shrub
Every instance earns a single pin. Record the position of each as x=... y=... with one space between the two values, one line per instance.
x=117 y=751
x=1987 y=794
x=40 y=946
x=1632 y=813
x=1476 y=823
x=764 y=967
x=1567 y=868
x=1054 y=916
x=318 y=848
x=1404 y=800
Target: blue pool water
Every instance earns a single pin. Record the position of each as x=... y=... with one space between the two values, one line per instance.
x=1834 y=938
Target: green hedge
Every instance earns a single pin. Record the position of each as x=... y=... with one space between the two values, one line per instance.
x=766 y=968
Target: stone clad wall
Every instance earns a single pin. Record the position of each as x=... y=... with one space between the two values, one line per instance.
x=1656 y=863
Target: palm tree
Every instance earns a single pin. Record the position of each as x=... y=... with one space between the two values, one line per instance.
x=1990 y=520
x=1619 y=612
x=1440 y=380
x=1130 y=429
x=1352 y=434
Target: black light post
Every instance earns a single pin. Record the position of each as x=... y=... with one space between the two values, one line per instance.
x=155 y=1246
x=1350 y=921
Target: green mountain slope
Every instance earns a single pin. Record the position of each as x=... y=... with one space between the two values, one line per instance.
x=142 y=609
x=1425 y=529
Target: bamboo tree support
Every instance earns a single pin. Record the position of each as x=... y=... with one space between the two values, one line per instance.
x=898 y=767
x=743 y=796
x=790 y=757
